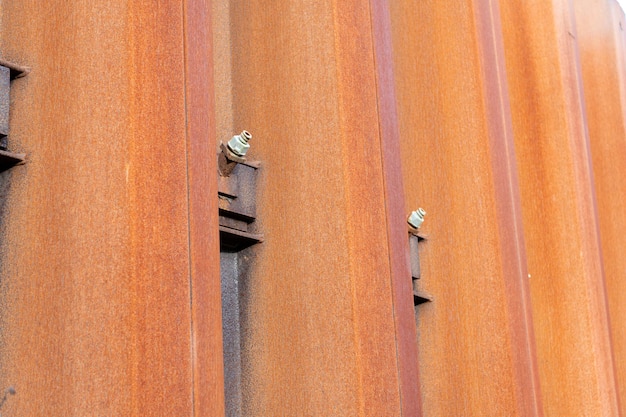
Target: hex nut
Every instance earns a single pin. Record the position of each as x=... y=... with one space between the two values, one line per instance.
x=417 y=218
x=239 y=143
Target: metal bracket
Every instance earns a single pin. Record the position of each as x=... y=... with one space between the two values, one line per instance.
x=8 y=72
x=237 y=181
x=419 y=297
x=237 y=207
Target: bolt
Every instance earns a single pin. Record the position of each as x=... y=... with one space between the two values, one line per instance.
x=417 y=218
x=239 y=143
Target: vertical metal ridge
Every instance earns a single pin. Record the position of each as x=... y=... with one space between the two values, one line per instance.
x=403 y=306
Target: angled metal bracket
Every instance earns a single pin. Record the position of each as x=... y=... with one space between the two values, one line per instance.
x=237 y=183
x=237 y=207
x=419 y=297
x=8 y=72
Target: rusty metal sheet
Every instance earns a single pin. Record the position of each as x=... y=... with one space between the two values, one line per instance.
x=600 y=34
x=208 y=367
x=110 y=291
x=378 y=335
x=508 y=209
x=558 y=209
x=317 y=318
x=95 y=289
x=453 y=130
x=395 y=203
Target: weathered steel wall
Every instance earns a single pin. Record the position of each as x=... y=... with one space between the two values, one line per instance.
x=96 y=316
x=503 y=119
x=600 y=36
x=458 y=163
x=319 y=313
x=558 y=208
x=204 y=274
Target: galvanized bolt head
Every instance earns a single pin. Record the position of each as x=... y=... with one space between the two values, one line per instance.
x=239 y=143
x=417 y=218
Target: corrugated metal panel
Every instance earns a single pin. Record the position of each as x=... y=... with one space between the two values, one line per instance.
x=95 y=253
x=504 y=120
x=600 y=34
x=558 y=207
x=458 y=164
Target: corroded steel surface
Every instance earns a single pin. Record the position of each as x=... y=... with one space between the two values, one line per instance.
x=600 y=34
x=95 y=289
x=362 y=111
x=476 y=353
x=558 y=209
x=319 y=330
x=208 y=368
x=401 y=282
x=509 y=211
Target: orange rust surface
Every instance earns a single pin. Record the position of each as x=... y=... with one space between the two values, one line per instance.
x=110 y=299
x=558 y=208
x=402 y=284
x=95 y=290
x=600 y=31
x=207 y=355
x=475 y=354
x=508 y=206
x=319 y=324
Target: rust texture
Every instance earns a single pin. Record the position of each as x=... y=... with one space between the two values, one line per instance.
x=505 y=120
x=600 y=37
x=206 y=309
x=95 y=290
x=401 y=279
x=558 y=209
x=476 y=355
x=318 y=321
x=508 y=206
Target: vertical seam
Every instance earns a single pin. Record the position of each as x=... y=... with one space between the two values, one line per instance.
x=385 y=199
x=192 y=361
